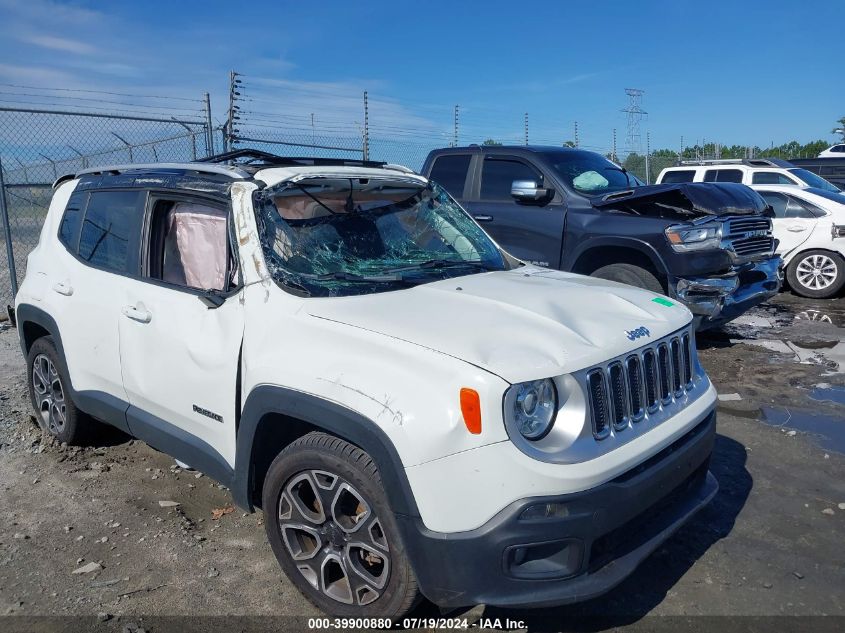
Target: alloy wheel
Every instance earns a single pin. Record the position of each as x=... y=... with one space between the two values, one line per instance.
x=49 y=394
x=816 y=272
x=334 y=537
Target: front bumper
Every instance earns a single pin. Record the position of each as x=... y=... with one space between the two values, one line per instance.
x=608 y=531
x=717 y=299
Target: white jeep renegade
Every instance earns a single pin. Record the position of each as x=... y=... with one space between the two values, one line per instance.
x=416 y=413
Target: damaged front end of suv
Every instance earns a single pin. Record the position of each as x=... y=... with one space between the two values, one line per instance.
x=718 y=253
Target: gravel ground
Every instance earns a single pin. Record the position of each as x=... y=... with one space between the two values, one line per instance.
x=770 y=544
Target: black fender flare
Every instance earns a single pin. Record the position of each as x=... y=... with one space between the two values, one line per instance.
x=330 y=417
x=641 y=246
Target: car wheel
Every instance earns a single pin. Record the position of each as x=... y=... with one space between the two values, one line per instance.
x=631 y=275
x=817 y=274
x=48 y=390
x=332 y=530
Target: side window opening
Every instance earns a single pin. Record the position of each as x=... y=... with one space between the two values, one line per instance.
x=498 y=174
x=190 y=246
x=777 y=201
x=677 y=176
x=450 y=172
x=723 y=175
x=72 y=220
x=110 y=230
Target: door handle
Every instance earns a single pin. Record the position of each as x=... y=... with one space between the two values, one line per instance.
x=796 y=228
x=483 y=218
x=63 y=288
x=137 y=314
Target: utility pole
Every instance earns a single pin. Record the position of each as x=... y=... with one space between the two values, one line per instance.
x=455 y=138
x=647 y=152
x=613 y=153
x=526 y=128
x=313 y=137
x=366 y=127
x=681 y=150
x=576 y=134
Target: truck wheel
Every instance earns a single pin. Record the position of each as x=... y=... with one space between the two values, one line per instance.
x=817 y=274
x=332 y=530
x=631 y=275
x=48 y=390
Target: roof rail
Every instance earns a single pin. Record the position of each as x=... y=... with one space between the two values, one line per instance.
x=257 y=158
x=750 y=162
x=232 y=171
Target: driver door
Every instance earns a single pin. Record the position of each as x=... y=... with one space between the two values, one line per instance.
x=532 y=232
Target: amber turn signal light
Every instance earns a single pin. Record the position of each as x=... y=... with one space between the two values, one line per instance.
x=471 y=409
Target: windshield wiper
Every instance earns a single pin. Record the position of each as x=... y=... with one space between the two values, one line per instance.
x=341 y=275
x=441 y=263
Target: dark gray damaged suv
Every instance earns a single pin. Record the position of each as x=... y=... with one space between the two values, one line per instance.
x=708 y=245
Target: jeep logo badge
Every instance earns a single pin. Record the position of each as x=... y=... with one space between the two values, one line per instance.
x=641 y=331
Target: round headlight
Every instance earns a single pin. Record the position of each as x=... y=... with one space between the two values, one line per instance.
x=532 y=406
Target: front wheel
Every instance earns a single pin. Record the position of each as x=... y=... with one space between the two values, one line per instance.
x=630 y=274
x=816 y=274
x=332 y=530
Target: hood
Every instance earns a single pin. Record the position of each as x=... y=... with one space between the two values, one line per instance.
x=523 y=324
x=685 y=200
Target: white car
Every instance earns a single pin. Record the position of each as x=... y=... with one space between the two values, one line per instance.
x=834 y=151
x=340 y=344
x=809 y=225
x=756 y=171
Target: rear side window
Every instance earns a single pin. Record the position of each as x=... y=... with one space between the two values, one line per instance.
x=72 y=220
x=723 y=175
x=681 y=175
x=110 y=231
x=450 y=172
x=770 y=178
x=498 y=175
x=777 y=201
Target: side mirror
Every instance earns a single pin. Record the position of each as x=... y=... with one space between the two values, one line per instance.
x=528 y=191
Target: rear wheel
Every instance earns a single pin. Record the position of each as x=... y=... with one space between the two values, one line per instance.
x=48 y=390
x=332 y=531
x=631 y=275
x=817 y=274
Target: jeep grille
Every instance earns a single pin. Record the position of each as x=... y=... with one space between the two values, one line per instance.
x=645 y=384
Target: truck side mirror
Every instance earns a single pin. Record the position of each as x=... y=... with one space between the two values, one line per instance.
x=528 y=191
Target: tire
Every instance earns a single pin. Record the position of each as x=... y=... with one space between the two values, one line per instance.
x=816 y=274
x=349 y=561
x=55 y=410
x=631 y=275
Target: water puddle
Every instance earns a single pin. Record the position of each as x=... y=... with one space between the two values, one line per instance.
x=828 y=393
x=829 y=430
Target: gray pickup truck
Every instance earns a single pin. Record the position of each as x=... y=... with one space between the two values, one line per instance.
x=709 y=246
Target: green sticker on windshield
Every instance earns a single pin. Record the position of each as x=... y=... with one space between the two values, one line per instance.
x=663 y=302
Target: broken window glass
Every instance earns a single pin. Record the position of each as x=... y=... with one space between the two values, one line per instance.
x=342 y=236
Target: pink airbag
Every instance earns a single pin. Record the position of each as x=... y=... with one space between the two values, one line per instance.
x=195 y=246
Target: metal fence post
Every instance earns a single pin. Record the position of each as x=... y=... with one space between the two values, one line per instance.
x=7 y=230
x=209 y=131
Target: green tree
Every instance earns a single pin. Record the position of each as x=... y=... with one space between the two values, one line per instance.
x=569 y=143
x=840 y=128
x=491 y=141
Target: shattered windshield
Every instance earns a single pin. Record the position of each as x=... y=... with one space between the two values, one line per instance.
x=590 y=173
x=344 y=236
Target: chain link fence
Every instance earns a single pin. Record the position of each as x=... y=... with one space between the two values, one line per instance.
x=38 y=146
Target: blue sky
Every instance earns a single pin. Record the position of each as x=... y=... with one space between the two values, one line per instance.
x=744 y=72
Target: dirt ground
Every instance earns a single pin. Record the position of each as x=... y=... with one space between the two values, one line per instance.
x=770 y=544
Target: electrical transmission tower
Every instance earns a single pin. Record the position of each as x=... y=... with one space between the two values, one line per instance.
x=635 y=114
